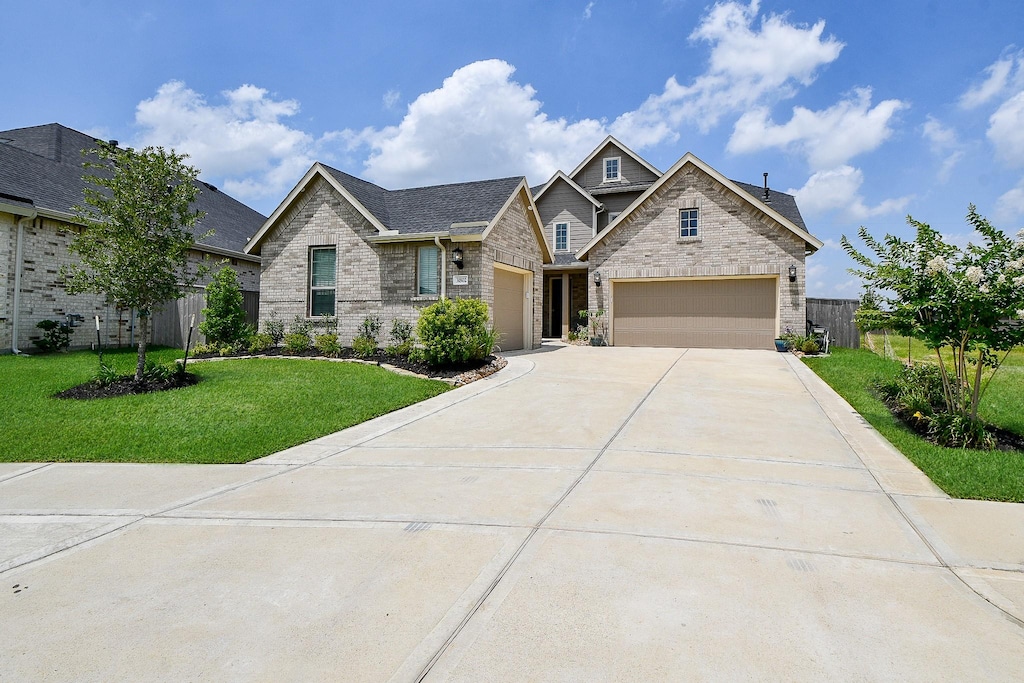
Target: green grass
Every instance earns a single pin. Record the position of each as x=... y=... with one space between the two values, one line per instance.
x=962 y=473
x=241 y=410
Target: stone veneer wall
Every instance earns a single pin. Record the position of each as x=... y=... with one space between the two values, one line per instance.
x=735 y=240
x=43 y=295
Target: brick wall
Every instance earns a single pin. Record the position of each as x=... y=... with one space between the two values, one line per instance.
x=735 y=240
x=43 y=294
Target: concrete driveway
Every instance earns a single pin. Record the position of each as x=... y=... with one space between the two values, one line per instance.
x=584 y=515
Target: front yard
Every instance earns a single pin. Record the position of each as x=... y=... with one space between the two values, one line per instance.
x=239 y=411
x=962 y=473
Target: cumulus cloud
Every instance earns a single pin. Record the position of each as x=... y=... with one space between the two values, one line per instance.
x=479 y=124
x=944 y=143
x=1009 y=208
x=1006 y=73
x=1006 y=130
x=838 y=189
x=749 y=64
x=243 y=140
x=828 y=138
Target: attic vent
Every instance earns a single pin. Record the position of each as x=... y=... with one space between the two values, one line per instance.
x=766 y=191
x=112 y=143
x=213 y=188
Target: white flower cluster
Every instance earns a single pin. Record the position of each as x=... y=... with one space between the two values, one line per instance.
x=936 y=265
x=1020 y=313
x=1019 y=280
x=1020 y=235
x=974 y=274
x=1015 y=264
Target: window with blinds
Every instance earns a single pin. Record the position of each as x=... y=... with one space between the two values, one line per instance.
x=427 y=272
x=322 y=280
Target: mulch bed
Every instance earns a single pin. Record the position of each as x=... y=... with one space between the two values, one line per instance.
x=126 y=386
x=1005 y=439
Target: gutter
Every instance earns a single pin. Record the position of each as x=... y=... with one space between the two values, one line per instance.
x=444 y=267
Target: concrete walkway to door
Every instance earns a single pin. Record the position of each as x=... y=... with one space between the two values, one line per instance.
x=586 y=514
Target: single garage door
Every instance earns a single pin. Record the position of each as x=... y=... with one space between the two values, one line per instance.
x=727 y=314
x=509 y=299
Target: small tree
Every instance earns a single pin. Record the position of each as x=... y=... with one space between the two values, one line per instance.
x=969 y=301
x=224 y=315
x=138 y=221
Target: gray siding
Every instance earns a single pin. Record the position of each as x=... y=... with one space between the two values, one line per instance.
x=563 y=203
x=614 y=203
x=592 y=175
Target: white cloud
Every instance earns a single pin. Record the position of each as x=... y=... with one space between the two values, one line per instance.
x=749 y=65
x=944 y=143
x=1006 y=130
x=479 y=124
x=1009 y=208
x=588 y=11
x=828 y=138
x=838 y=189
x=391 y=98
x=242 y=140
x=1006 y=72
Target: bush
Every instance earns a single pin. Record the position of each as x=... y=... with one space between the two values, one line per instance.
x=955 y=430
x=56 y=336
x=106 y=375
x=274 y=328
x=363 y=346
x=370 y=328
x=261 y=342
x=810 y=346
x=297 y=342
x=154 y=372
x=454 y=332
x=401 y=338
x=301 y=325
x=327 y=345
x=224 y=313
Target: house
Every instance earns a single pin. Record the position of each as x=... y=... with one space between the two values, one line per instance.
x=681 y=258
x=40 y=184
x=340 y=246
x=685 y=258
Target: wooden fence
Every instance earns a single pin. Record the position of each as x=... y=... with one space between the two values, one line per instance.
x=170 y=326
x=837 y=316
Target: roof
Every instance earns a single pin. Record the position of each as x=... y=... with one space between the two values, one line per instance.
x=539 y=191
x=772 y=210
x=44 y=164
x=430 y=209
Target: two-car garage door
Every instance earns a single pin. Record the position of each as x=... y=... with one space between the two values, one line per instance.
x=714 y=313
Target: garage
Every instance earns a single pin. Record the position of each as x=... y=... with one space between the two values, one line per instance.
x=509 y=302
x=710 y=313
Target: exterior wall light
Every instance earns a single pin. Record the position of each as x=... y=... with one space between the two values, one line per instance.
x=792 y=273
x=597 y=278
x=457 y=257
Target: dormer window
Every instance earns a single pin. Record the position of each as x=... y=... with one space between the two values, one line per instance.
x=611 y=169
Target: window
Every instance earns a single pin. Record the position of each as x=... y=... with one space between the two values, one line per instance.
x=688 y=219
x=561 y=237
x=322 y=270
x=611 y=169
x=426 y=271
x=612 y=215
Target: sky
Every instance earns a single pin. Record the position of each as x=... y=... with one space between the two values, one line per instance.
x=865 y=114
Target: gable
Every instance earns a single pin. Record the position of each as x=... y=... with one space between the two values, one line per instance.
x=633 y=169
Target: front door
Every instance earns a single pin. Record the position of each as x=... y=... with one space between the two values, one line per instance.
x=556 y=307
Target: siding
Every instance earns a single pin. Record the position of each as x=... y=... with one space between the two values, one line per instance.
x=630 y=171
x=614 y=203
x=562 y=203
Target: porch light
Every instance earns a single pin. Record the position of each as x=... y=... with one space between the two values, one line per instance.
x=457 y=257
x=597 y=278
x=792 y=273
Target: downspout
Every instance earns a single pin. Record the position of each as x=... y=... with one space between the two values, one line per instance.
x=444 y=267
x=17 y=282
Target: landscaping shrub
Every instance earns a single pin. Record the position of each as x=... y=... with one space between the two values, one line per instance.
x=56 y=336
x=327 y=345
x=261 y=342
x=401 y=338
x=156 y=372
x=106 y=375
x=810 y=346
x=274 y=328
x=363 y=346
x=454 y=332
x=224 y=313
x=301 y=325
x=297 y=342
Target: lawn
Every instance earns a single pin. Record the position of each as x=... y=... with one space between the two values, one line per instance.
x=962 y=473
x=241 y=410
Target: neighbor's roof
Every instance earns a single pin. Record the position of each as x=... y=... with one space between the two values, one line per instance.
x=43 y=164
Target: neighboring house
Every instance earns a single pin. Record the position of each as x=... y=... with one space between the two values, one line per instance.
x=40 y=184
x=341 y=246
x=684 y=258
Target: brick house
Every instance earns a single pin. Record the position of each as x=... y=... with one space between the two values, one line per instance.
x=340 y=246
x=683 y=258
x=40 y=184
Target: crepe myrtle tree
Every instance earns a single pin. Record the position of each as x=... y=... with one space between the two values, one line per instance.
x=970 y=301
x=138 y=222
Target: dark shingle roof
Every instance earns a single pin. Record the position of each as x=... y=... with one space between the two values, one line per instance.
x=433 y=208
x=780 y=201
x=44 y=164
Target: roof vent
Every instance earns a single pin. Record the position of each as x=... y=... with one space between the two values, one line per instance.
x=112 y=143
x=766 y=191
x=213 y=188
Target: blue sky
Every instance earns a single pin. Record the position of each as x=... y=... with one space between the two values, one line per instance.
x=865 y=114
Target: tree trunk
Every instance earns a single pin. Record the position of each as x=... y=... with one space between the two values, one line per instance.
x=140 y=365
